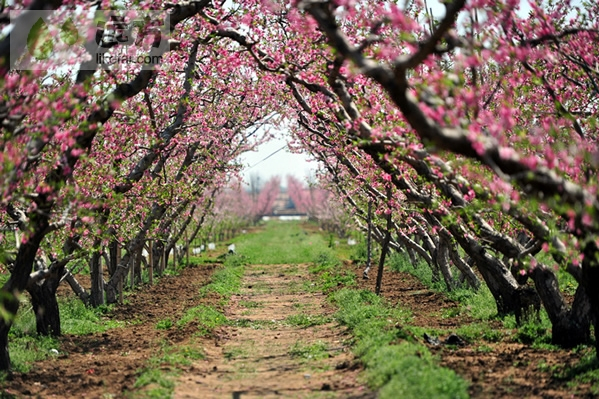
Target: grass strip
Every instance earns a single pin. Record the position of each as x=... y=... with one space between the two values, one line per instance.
x=395 y=365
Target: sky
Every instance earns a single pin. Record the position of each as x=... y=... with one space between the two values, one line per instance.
x=274 y=158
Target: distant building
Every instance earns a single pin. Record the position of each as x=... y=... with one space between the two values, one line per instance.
x=284 y=208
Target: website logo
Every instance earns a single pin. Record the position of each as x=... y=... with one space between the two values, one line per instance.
x=90 y=40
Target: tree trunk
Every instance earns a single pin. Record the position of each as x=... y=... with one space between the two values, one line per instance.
x=76 y=287
x=113 y=255
x=570 y=327
x=384 y=250
x=132 y=247
x=368 y=242
x=45 y=305
x=17 y=283
x=463 y=267
x=509 y=296
x=97 y=280
x=442 y=260
x=590 y=281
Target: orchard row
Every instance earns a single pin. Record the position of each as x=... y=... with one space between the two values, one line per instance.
x=469 y=130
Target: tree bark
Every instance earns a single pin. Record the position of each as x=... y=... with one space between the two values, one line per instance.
x=97 y=280
x=443 y=263
x=590 y=282
x=45 y=304
x=509 y=296
x=17 y=283
x=133 y=247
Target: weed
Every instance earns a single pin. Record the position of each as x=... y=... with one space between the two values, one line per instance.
x=409 y=371
x=315 y=351
x=251 y=304
x=206 y=317
x=26 y=347
x=449 y=313
x=484 y=349
x=305 y=320
x=78 y=319
x=158 y=383
x=26 y=350
x=326 y=266
x=476 y=331
x=164 y=324
x=254 y=324
x=234 y=353
x=585 y=372
x=287 y=243
x=405 y=369
x=225 y=281
x=533 y=332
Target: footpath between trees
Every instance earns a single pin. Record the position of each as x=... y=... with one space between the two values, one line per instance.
x=281 y=342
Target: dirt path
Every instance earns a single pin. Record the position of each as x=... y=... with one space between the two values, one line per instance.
x=280 y=343
x=272 y=350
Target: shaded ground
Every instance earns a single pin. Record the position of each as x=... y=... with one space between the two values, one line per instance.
x=106 y=365
x=505 y=369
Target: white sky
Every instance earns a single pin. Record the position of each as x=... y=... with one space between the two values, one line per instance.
x=266 y=163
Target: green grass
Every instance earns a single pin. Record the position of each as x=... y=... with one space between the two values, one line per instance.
x=585 y=372
x=474 y=332
x=227 y=280
x=400 y=262
x=26 y=347
x=314 y=351
x=158 y=383
x=164 y=324
x=407 y=370
x=329 y=272
x=157 y=379
x=395 y=364
x=251 y=304
x=206 y=317
x=78 y=319
x=305 y=320
x=280 y=243
x=255 y=324
x=235 y=353
x=26 y=350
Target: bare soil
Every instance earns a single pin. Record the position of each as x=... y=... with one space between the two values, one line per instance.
x=259 y=358
x=506 y=369
x=254 y=356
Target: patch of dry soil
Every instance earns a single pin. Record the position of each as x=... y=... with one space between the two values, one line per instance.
x=106 y=365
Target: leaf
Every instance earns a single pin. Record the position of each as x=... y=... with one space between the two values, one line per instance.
x=69 y=33
x=39 y=41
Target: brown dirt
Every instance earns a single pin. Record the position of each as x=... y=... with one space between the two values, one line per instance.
x=255 y=359
x=505 y=369
x=106 y=365
x=252 y=359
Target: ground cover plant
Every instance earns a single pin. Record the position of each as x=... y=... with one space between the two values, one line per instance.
x=497 y=356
